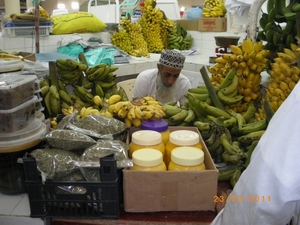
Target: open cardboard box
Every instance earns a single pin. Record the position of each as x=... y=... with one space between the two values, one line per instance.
x=171 y=191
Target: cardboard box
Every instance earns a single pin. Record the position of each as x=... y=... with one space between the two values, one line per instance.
x=212 y=24
x=171 y=191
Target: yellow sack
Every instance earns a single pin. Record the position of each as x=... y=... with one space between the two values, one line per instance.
x=78 y=22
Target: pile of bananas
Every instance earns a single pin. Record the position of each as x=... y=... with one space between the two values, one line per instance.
x=232 y=143
x=178 y=39
x=278 y=25
x=30 y=17
x=91 y=88
x=130 y=39
x=284 y=75
x=134 y=112
x=148 y=35
x=248 y=61
x=214 y=8
x=178 y=116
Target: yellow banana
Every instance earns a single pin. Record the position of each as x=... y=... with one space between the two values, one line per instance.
x=291 y=53
x=236 y=50
x=97 y=100
x=114 y=99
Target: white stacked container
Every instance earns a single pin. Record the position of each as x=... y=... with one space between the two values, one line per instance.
x=20 y=130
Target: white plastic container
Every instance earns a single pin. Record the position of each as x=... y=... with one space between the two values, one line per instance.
x=15 y=90
x=17 y=118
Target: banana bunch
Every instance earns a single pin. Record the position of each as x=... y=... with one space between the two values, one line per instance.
x=178 y=116
x=29 y=17
x=278 y=25
x=69 y=70
x=134 y=112
x=178 y=38
x=284 y=75
x=214 y=8
x=248 y=60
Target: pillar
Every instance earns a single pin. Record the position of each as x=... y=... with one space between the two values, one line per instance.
x=12 y=6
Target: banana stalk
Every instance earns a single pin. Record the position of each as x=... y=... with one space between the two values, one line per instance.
x=211 y=89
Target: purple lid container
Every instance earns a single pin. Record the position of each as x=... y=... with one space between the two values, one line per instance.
x=155 y=125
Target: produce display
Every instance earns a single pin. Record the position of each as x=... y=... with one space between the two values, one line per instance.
x=152 y=33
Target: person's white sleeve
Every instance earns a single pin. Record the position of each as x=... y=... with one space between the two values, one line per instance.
x=184 y=87
x=269 y=188
x=140 y=87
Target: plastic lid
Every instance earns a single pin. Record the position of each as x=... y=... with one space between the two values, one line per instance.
x=23 y=143
x=146 y=137
x=184 y=137
x=27 y=131
x=156 y=125
x=187 y=156
x=33 y=100
x=147 y=157
x=12 y=81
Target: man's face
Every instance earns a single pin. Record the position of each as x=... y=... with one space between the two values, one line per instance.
x=168 y=75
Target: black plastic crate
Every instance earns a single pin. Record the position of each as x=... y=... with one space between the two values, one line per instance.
x=101 y=199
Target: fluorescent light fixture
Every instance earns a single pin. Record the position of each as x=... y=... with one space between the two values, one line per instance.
x=75 y=5
x=61 y=6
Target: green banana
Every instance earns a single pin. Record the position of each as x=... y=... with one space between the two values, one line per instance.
x=191 y=116
x=202 y=126
x=93 y=69
x=232 y=87
x=72 y=63
x=228 y=78
x=279 y=5
x=61 y=86
x=263 y=20
x=269 y=35
x=113 y=69
x=99 y=72
x=250 y=113
x=214 y=111
x=217 y=154
x=71 y=75
x=225 y=173
x=215 y=145
x=86 y=83
x=229 y=100
x=44 y=82
x=97 y=90
x=249 y=152
x=228 y=147
x=171 y=110
x=47 y=103
x=55 y=105
x=268 y=110
x=235 y=177
x=83 y=94
x=198 y=90
x=82 y=59
x=272 y=14
x=201 y=97
x=54 y=91
x=105 y=73
x=270 y=5
x=195 y=104
x=231 y=159
x=179 y=117
x=206 y=133
x=230 y=122
x=252 y=127
x=173 y=103
x=249 y=138
x=44 y=90
x=261 y=36
x=296 y=7
x=65 y=97
x=63 y=67
x=241 y=121
x=212 y=138
x=105 y=86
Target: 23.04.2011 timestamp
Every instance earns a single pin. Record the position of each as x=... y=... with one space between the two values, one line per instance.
x=239 y=198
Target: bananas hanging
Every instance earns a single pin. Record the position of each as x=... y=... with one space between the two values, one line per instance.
x=284 y=75
x=248 y=61
x=214 y=8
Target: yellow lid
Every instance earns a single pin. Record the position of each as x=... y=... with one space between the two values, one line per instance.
x=184 y=137
x=187 y=156
x=147 y=157
x=146 y=137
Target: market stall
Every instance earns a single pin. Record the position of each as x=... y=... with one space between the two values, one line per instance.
x=84 y=165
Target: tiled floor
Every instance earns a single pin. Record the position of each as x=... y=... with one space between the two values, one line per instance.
x=14 y=209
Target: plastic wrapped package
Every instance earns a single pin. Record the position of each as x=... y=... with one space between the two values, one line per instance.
x=55 y=164
x=68 y=139
x=89 y=160
x=104 y=126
